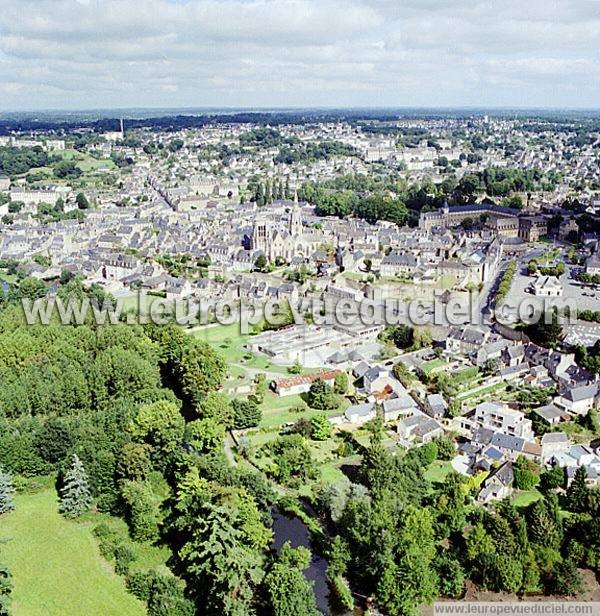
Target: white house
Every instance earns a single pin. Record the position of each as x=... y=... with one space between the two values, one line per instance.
x=301 y=383
x=554 y=443
x=500 y=418
x=547 y=286
x=579 y=400
x=498 y=485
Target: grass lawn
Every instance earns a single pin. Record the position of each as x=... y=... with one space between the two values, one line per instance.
x=482 y=391
x=84 y=161
x=130 y=302
x=434 y=364
x=276 y=410
x=10 y=278
x=465 y=376
x=446 y=282
x=524 y=499
x=56 y=565
x=330 y=473
x=229 y=341
x=577 y=432
x=437 y=471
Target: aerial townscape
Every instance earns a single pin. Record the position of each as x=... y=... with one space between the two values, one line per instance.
x=299 y=307
x=313 y=465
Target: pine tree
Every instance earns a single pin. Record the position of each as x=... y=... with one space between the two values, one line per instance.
x=75 y=493
x=577 y=492
x=7 y=493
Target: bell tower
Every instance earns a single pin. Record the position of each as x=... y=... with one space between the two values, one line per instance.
x=295 y=227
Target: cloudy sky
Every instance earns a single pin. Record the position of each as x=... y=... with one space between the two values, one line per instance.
x=82 y=54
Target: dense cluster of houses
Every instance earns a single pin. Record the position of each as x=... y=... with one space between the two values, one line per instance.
x=194 y=203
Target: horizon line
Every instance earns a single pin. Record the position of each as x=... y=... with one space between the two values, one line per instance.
x=265 y=108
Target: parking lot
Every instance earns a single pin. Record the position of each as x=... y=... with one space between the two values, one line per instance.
x=582 y=297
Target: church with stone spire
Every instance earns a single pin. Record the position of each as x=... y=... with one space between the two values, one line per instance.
x=285 y=240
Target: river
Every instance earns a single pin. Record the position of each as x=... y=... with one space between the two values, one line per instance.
x=294 y=530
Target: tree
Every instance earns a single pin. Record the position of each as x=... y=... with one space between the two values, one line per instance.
x=546 y=334
x=292 y=458
x=565 y=579
x=32 y=288
x=421 y=339
x=478 y=544
x=66 y=169
x=205 y=435
x=506 y=573
x=321 y=428
x=199 y=370
x=217 y=406
x=467 y=223
x=217 y=562
x=578 y=492
x=552 y=478
x=492 y=365
x=14 y=207
x=7 y=493
x=75 y=493
x=161 y=426
x=401 y=335
x=446 y=448
x=142 y=510
x=295 y=368
x=260 y=263
x=288 y=590
x=260 y=387
x=590 y=421
x=321 y=396
x=408 y=578
x=544 y=524
x=54 y=439
x=82 y=201
x=134 y=462
x=526 y=473
x=340 y=383
x=247 y=414
x=451 y=574
x=162 y=592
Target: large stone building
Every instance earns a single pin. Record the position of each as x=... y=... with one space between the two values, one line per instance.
x=285 y=241
x=454 y=216
x=503 y=221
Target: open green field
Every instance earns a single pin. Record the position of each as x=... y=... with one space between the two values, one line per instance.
x=277 y=411
x=86 y=162
x=56 y=564
x=130 y=302
x=229 y=341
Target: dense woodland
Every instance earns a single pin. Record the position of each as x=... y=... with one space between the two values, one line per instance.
x=130 y=420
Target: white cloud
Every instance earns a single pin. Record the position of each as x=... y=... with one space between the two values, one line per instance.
x=93 y=53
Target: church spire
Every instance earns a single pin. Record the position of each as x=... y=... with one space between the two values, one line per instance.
x=296 y=218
